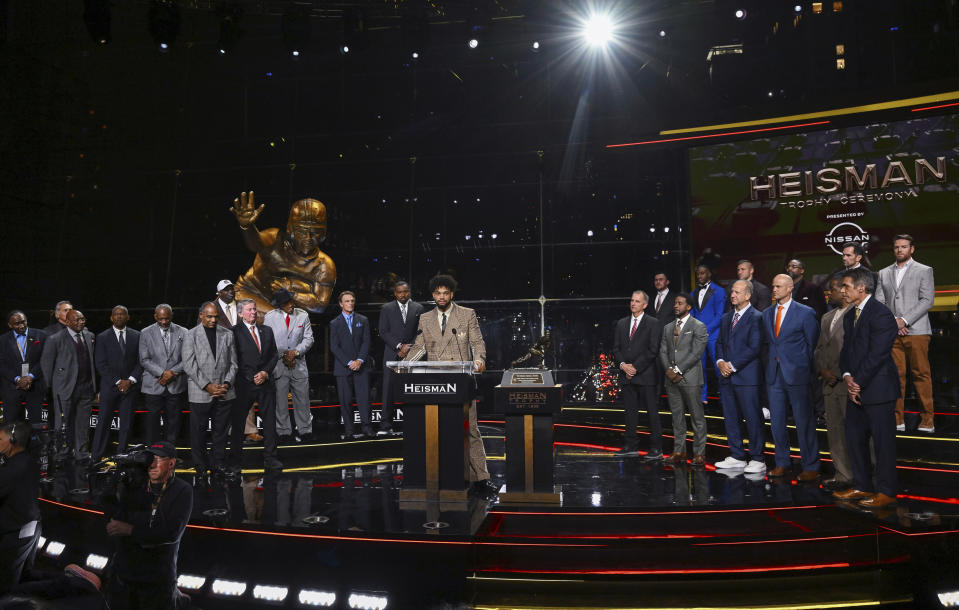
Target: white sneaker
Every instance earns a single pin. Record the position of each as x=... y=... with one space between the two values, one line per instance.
x=756 y=477
x=755 y=466
x=731 y=462
x=929 y=429
x=765 y=413
x=732 y=474
x=901 y=428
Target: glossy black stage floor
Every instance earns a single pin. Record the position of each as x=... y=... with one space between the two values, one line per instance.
x=628 y=534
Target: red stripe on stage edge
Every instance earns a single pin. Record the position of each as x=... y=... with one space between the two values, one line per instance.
x=929 y=499
x=705 y=511
x=934 y=107
x=71 y=506
x=843 y=537
x=719 y=135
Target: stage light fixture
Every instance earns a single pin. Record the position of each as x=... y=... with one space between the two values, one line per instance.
x=190 y=582
x=415 y=55
x=229 y=14
x=535 y=46
x=295 y=28
x=96 y=562
x=798 y=8
x=270 y=593
x=493 y=236
x=96 y=16
x=228 y=588
x=367 y=601
x=312 y=597
x=949 y=599
x=598 y=30
x=472 y=43
x=344 y=49
x=164 y=22
x=40 y=542
x=740 y=14
x=55 y=549
x=665 y=229
x=589 y=233
x=662 y=33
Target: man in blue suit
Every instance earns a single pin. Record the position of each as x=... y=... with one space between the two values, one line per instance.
x=790 y=330
x=117 y=356
x=740 y=374
x=709 y=302
x=872 y=382
x=350 y=344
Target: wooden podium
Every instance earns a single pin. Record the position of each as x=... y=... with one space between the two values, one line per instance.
x=436 y=397
x=528 y=398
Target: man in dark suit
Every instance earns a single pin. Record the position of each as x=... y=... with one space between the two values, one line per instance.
x=350 y=344
x=68 y=366
x=854 y=257
x=709 y=302
x=661 y=306
x=21 y=377
x=256 y=356
x=804 y=291
x=60 y=322
x=740 y=375
x=761 y=297
x=872 y=383
x=118 y=363
x=398 y=322
x=228 y=316
x=790 y=331
x=636 y=347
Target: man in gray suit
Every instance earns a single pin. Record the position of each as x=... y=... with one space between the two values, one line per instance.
x=68 y=366
x=834 y=391
x=209 y=361
x=294 y=337
x=163 y=385
x=907 y=288
x=680 y=354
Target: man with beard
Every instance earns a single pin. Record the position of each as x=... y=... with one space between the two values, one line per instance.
x=68 y=366
x=398 y=322
x=709 y=302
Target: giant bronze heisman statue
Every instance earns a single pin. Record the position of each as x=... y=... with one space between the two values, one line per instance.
x=289 y=259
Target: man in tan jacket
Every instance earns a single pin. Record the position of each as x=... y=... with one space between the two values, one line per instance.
x=451 y=332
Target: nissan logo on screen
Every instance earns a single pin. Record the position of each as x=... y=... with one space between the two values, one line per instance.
x=429 y=388
x=844 y=233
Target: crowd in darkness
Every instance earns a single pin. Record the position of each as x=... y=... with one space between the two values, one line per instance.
x=786 y=349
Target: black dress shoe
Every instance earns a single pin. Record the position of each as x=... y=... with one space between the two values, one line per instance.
x=273 y=464
x=834 y=485
x=368 y=432
x=284 y=439
x=307 y=438
x=485 y=489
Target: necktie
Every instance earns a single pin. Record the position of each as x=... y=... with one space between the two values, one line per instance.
x=166 y=340
x=443 y=325
x=255 y=339
x=779 y=318
x=229 y=314
x=287 y=321
x=349 y=323
x=856 y=321
x=676 y=332
x=632 y=331
x=403 y=312
x=123 y=343
x=22 y=344
x=659 y=301
x=735 y=319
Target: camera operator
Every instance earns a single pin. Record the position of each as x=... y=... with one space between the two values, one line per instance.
x=19 y=511
x=148 y=526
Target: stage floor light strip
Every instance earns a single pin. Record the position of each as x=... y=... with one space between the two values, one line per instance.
x=947 y=96
x=719 y=135
x=813 y=606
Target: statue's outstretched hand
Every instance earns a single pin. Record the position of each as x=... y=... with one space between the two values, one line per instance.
x=245 y=210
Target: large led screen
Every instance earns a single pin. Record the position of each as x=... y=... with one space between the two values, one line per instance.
x=803 y=195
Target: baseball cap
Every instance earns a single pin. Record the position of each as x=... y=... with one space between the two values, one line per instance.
x=162 y=449
x=223 y=284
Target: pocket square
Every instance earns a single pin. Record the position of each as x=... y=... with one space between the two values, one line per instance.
x=359 y=324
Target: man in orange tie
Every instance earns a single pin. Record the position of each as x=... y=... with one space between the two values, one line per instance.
x=790 y=331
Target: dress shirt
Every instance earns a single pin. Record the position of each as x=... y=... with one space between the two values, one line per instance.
x=404 y=310
x=123 y=341
x=349 y=325
x=230 y=309
x=636 y=321
x=22 y=345
x=901 y=270
x=660 y=296
x=702 y=294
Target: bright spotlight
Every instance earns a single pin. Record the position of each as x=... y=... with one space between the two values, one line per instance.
x=96 y=562
x=472 y=43
x=740 y=14
x=164 y=47
x=662 y=33
x=798 y=8
x=367 y=601
x=228 y=588
x=598 y=30
x=270 y=593
x=414 y=55
x=344 y=49
x=535 y=46
x=311 y=597
x=190 y=582
x=295 y=53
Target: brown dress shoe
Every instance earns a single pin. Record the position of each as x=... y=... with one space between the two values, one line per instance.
x=877 y=501
x=852 y=494
x=678 y=458
x=254 y=437
x=699 y=460
x=808 y=475
x=778 y=471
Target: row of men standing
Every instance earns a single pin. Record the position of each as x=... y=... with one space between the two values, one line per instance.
x=797 y=352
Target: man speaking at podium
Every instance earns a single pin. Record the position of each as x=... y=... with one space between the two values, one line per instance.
x=450 y=332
